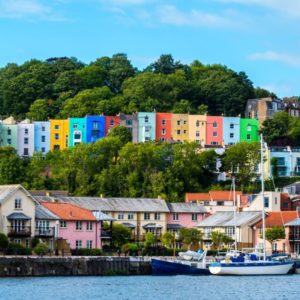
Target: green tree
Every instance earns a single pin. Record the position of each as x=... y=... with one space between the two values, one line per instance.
x=39 y=110
x=190 y=236
x=120 y=235
x=41 y=249
x=274 y=168
x=167 y=239
x=3 y=242
x=165 y=65
x=274 y=234
x=218 y=239
x=122 y=133
x=150 y=239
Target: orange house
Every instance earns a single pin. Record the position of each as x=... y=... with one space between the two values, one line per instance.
x=164 y=127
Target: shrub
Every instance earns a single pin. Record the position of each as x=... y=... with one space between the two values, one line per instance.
x=3 y=242
x=87 y=252
x=34 y=242
x=18 y=249
x=41 y=249
x=130 y=248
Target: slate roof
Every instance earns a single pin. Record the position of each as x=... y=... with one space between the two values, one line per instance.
x=224 y=219
x=18 y=216
x=113 y=204
x=43 y=213
x=184 y=207
x=100 y=216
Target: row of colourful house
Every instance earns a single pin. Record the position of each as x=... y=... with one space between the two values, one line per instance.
x=64 y=222
x=27 y=136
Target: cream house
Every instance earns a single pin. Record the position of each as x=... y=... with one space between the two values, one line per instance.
x=271 y=202
x=17 y=211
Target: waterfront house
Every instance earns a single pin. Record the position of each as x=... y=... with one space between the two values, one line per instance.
x=77 y=131
x=197 y=129
x=42 y=137
x=293 y=233
x=17 y=211
x=180 y=127
x=77 y=225
x=272 y=202
x=231 y=131
x=131 y=123
x=111 y=122
x=218 y=200
x=272 y=219
x=25 y=138
x=59 y=134
x=164 y=127
x=214 y=130
x=146 y=126
x=225 y=222
x=9 y=133
x=95 y=128
x=249 y=130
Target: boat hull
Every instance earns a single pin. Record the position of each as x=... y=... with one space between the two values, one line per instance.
x=253 y=268
x=297 y=267
x=165 y=267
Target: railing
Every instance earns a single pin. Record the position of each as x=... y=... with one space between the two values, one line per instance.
x=18 y=231
x=105 y=234
x=294 y=237
x=44 y=232
x=278 y=149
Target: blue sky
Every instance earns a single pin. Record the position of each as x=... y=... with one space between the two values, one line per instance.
x=260 y=37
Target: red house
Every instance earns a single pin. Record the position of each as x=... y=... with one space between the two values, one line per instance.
x=164 y=127
x=111 y=122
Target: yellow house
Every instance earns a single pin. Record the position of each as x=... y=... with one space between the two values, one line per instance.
x=17 y=211
x=59 y=134
x=180 y=127
x=197 y=129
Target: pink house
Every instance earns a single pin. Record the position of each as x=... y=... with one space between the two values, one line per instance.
x=184 y=215
x=77 y=225
x=214 y=130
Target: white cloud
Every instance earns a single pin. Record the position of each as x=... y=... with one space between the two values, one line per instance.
x=286 y=58
x=169 y=14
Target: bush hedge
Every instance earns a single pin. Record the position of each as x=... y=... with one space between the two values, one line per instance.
x=86 y=252
x=17 y=249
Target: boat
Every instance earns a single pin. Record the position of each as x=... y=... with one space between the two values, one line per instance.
x=242 y=264
x=195 y=265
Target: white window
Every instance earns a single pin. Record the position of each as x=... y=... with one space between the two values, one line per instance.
x=184 y=122
x=147 y=128
x=89 y=244
x=146 y=216
x=163 y=122
x=178 y=123
x=26 y=141
x=163 y=131
x=215 y=133
x=56 y=127
x=231 y=125
x=231 y=135
x=111 y=122
x=89 y=226
x=157 y=216
x=43 y=128
x=95 y=125
x=56 y=136
x=197 y=123
x=248 y=128
x=78 y=244
x=63 y=224
x=26 y=130
x=130 y=216
x=18 y=203
x=43 y=138
x=215 y=125
x=78 y=225
x=197 y=133
x=194 y=217
x=175 y=216
x=120 y=216
x=230 y=231
x=178 y=131
x=214 y=143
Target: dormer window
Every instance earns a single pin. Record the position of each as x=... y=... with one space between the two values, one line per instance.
x=18 y=203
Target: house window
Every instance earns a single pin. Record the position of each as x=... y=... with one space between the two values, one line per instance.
x=197 y=123
x=157 y=216
x=78 y=244
x=184 y=131
x=231 y=126
x=95 y=125
x=18 y=203
x=43 y=128
x=130 y=216
x=215 y=125
x=184 y=122
x=206 y=203
x=163 y=131
x=111 y=122
x=77 y=136
x=162 y=139
x=9 y=141
x=75 y=126
x=56 y=127
x=178 y=132
x=25 y=151
x=194 y=217
x=26 y=130
x=8 y=131
x=26 y=141
x=229 y=231
x=214 y=143
x=43 y=149
x=89 y=244
x=67 y=141
x=78 y=225
x=89 y=226
x=248 y=128
x=197 y=133
x=175 y=216
x=146 y=119
x=63 y=224
x=120 y=216
x=56 y=147
x=178 y=123
x=220 y=203
x=146 y=216
x=215 y=134
x=275 y=200
x=163 y=122
x=56 y=136
x=231 y=135
x=147 y=138
x=43 y=138
x=147 y=128
x=266 y=202
x=248 y=137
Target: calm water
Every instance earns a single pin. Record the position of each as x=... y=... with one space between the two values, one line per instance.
x=154 y=288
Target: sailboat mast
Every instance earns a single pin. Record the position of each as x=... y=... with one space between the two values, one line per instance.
x=263 y=194
x=234 y=204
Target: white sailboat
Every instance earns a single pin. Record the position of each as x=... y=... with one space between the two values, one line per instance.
x=246 y=266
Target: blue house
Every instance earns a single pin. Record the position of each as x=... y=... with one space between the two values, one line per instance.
x=284 y=160
x=95 y=128
x=42 y=137
x=231 y=130
x=146 y=126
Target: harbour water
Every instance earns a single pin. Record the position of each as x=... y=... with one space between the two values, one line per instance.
x=151 y=287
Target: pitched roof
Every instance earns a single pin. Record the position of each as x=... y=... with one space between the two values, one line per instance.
x=113 y=204
x=184 y=207
x=224 y=219
x=8 y=190
x=295 y=222
x=278 y=218
x=212 y=195
x=41 y=212
x=70 y=212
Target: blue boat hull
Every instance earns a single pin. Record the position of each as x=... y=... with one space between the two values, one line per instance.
x=163 y=267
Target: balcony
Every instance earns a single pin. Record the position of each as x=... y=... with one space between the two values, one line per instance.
x=44 y=232
x=22 y=231
x=294 y=237
x=279 y=149
x=105 y=234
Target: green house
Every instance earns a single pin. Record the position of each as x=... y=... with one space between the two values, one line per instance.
x=249 y=130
